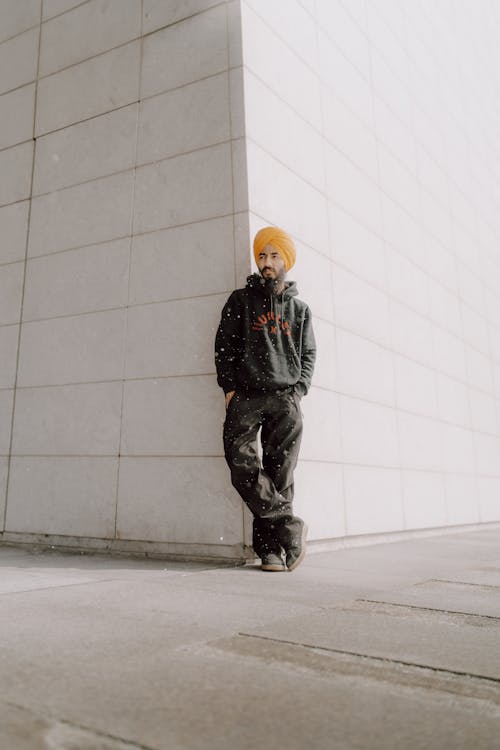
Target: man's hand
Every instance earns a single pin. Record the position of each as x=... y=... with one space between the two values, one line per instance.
x=229 y=396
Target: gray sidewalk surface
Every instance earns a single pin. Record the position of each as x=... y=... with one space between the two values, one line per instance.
x=393 y=645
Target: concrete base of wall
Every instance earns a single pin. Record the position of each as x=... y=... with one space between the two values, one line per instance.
x=364 y=540
x=238 y=554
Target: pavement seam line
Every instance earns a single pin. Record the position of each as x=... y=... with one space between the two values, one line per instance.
x=438 y=670
x=430 y=609
x=463 y=583
x=60 y=586
x=96 y=732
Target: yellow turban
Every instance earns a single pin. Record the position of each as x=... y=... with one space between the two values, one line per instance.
x=280 y=240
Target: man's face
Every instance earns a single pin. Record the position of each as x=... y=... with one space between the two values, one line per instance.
x=271 y=265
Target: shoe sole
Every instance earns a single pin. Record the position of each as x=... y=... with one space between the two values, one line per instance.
x=273 y=568
x=303 y=550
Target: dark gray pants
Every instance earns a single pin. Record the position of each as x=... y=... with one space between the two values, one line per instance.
x=266 y=488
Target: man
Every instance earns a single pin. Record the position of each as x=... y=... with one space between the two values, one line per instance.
x=264 y=355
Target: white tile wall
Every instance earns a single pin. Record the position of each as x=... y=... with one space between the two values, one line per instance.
x=179 y=262
x=319 y=497
x=72 y=496
x=6 y=398
x=13 y=229
x=369 y=433
x=487 y=454
x=295 y=27
x=243 y=254
x=416 y=389
x=398 y=182
x=178 y=499
x=403 y=232
x=278 y=192
x=356 y=248
x=475 y=329
x=51 y=8
x=236 y=97
x=355 y=357
x=348 y=134
x=436 y=218
x=458 y=449
x=96 y=211
x=73 y=349
x=441 y=264
x=86 y=150
x=4 y=461
x=18 y=60
x=90 y=88
x=395 y=135
x=234 y=36
x=488 y=487
x=449 y=352
x=286 y=73
x=344 y=79
x=15 y=168
x=471 y=287
x=373 y=500
x=299 y=146
x=412 y=238
x=158 y=13
x=350 y=188
x=411 y=334
x=479 y=369
x=176 y=416
x=389 y=84
x=11 y=284
x=185 y=52
x=367 y=130
x=240 y=177
x=93 y=27
x=313 y=270
x=386 y=32
x=424 y=499
x=325 y=370
x=180 y=338
x=459 y=490
x=77 y=281
x=407 y=283
x=483 y=412
x=81 y=419
x=183 y=189
x=360 y=307
x=16 y=17
x=321 y=438
x=444 y=308
x=8 y=346
x=101 y=304
x=333 y=17
x=453 y=401
x=420 y=442
x=182 y=120
x=16 y=114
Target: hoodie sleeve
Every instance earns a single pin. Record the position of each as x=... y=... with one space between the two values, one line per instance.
x=308 y=355
x=228 y=344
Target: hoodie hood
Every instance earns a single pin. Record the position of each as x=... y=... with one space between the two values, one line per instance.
x=257 y=282
x=276 y=301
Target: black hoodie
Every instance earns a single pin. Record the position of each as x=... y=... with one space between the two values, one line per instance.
x=265 y=342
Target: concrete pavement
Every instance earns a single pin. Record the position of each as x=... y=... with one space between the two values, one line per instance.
x=394 y=645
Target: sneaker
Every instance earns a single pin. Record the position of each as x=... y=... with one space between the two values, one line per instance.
x=297 y=551
x=272 y=563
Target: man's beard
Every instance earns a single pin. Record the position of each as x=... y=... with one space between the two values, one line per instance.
x=271 y=286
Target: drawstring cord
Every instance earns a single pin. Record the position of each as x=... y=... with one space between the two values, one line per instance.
x=277 y=310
